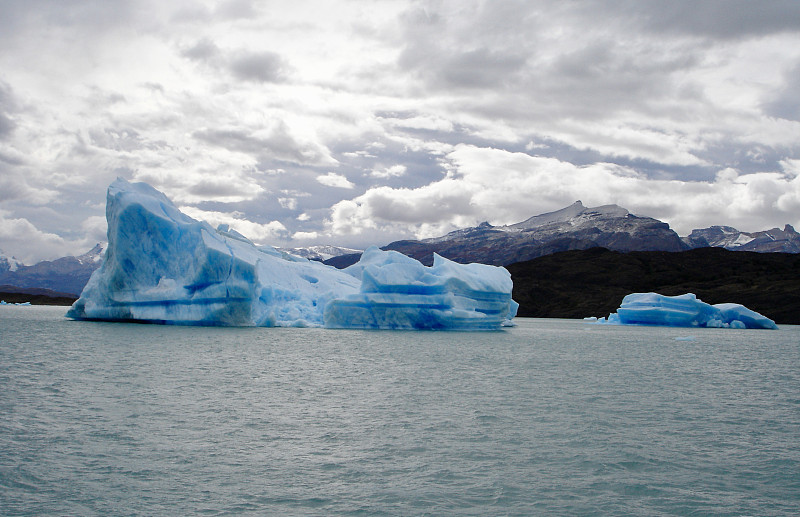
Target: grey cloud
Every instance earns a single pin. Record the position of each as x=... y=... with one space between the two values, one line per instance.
x=486 y=51
x=154 y=87
x=279 y=144
x=13 y=161
x=592 y=68
x=258 y=66
x=600 y=55
x=89 y=12
x=6 y=125
x=237 y=9
x=785 y=104
x=195 y=13
x=11 y=187
x=606 y=75
x=8 y=105
x=97 y=15
x=214 y=188
x=203 y=50
x=600 y=58
x=245 y=65
x=480 y=68
x=18 y=184
x=708 y=18
x=126 y=139
x=560 y=67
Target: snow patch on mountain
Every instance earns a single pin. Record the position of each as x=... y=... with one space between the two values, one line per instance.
x=574 y=215
x=93 y=256
x=8 y=263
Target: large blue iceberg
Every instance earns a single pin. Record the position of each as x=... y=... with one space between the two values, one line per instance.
x=162 y=266
x=685 y=310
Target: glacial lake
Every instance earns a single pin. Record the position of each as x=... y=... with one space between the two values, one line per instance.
x=552 y=417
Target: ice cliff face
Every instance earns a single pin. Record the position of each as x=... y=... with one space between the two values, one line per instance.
x=162 y=266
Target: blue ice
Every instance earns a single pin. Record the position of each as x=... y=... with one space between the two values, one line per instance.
x=162 y=266
x=399 y=292
x=685 y=310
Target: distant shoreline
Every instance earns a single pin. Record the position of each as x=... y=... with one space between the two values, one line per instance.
x=580 y=283
x=36 y=296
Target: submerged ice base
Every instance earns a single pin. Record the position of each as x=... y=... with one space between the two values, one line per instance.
x=685 y=310
x=162 y=266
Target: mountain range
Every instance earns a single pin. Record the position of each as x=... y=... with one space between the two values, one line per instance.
x=575 y=227
x=66 y=275
x=768 y=241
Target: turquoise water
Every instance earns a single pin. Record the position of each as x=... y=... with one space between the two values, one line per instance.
x=553 y=417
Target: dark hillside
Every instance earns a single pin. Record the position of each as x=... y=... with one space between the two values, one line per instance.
x=576 y=284
x=36 y=296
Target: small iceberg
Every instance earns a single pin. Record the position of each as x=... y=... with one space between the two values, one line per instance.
x=685 y=310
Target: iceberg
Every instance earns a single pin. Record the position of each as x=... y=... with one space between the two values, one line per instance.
x=162 y=266
x=685 y=310
x=399 y=292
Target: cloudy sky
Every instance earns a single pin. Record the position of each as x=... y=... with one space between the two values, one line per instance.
x=362 y=122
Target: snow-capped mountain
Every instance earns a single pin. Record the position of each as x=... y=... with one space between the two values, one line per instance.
x=575 y=214
x=320 y=253
x=94 y=255
x=65 y=275
x=768 y=241
x=8 y=263
x=573 y=227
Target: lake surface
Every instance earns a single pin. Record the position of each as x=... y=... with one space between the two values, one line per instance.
x=553 y=417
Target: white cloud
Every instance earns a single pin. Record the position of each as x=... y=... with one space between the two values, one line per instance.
x=310 y=236
x=15 y=186
x=197 y=186
x=426 y=122
x=23 y=240
x=289 y=203
x=96 y=228
x=506 y=187
x=332 y=179
x=389 y=172
x=259 y=233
